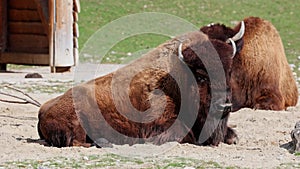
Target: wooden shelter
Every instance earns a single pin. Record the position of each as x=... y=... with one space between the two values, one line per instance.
x=39 y=32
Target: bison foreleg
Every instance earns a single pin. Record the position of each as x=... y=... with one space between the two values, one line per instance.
x=231 y=137
x=178 y=132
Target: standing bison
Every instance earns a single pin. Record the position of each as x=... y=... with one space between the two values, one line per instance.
x=261 y=77
x=143 y=101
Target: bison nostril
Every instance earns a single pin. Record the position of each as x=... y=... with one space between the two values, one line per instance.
x=223 y=107
x=226 y=107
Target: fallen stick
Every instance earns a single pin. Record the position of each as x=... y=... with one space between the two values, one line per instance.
x=24 y=100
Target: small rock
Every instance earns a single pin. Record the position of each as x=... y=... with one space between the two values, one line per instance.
x=33 y=75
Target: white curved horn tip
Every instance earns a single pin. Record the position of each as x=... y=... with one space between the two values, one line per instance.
x=233 y=47
x=180 y=56
x=241 y=32
x=242 y=28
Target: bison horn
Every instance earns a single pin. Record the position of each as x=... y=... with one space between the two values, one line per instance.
x=233 y=46
x=240 y=34
x=180 y=56
x=211 y=24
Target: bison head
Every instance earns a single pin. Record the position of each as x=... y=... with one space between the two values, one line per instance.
x=211 y=64
x=222 y=38
x=222 y=45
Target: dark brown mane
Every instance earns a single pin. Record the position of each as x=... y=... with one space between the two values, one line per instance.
x=218 y=31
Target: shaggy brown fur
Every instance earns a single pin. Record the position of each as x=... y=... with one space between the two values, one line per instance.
x=142 y=102
x=261 y=76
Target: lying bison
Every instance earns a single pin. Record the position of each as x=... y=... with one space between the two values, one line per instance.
x=261 y=76
x=179 y=91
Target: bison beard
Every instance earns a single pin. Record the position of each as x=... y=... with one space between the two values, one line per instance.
x=159 y=108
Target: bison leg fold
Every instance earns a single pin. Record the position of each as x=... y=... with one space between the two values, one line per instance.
x=179 y=132
x=269 y=100
x=81 y=144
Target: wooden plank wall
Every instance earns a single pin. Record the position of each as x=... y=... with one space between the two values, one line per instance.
x=26 y=32
x=3 y=31
x=43 y=10
x=3 y=25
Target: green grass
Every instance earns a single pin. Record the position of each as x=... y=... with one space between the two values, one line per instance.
x=118 y=161
x=50 y=86
x=284 y=14
x=113 y=160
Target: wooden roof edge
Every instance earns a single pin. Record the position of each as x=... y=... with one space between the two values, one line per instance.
x=76 y=5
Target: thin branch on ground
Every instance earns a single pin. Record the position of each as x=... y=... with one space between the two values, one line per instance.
x=24 y=100
x=25 y=94
x=17 y=102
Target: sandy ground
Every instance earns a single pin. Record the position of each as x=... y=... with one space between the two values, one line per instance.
x=261 y=133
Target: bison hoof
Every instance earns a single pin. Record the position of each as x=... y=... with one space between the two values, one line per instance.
x=102 y=143
x=231 y=137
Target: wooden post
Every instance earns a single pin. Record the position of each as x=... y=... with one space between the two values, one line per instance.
x=3 y=30
x=76 y=10
x=61 y=35
x=51 y=34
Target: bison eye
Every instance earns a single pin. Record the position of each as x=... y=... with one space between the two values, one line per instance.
x=201 y=79
x=201 y=76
